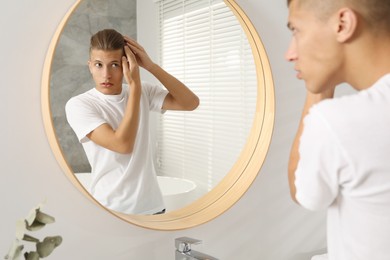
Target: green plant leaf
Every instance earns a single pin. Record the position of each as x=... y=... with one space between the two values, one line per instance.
x=29 y=238
x=31 y=256
x=44 y=218
x=36 y=225
x=47 y=246
x=36 y=219
x=31 y=215
x=15 y=251
x=20 y=228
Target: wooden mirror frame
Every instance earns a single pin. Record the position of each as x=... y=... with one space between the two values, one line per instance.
x=238 y=179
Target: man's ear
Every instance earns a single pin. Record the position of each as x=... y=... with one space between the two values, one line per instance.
x=347 y=22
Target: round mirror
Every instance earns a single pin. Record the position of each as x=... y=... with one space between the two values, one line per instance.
x=205 y=159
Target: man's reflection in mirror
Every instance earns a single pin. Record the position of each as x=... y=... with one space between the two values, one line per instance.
x=111 y=121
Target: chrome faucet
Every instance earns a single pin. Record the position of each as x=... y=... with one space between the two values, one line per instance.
x=184 y=252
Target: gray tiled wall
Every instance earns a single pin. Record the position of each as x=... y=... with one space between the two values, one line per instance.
x=69 y=71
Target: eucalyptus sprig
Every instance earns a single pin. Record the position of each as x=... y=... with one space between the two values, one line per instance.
x=34 y=221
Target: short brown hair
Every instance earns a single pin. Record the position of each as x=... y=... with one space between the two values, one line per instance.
x=376 y=13
x=107 y=40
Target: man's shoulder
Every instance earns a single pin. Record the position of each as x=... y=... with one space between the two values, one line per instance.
x=374 y=94
x=336 y=106
x=85 y=98
x=87 y=95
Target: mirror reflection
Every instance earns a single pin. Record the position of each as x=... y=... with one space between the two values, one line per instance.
x=204 y=47
x=112 y=122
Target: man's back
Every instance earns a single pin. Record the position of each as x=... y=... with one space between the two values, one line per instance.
x=345 y=159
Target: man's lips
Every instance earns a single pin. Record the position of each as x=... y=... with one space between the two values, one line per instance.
x=106 y=84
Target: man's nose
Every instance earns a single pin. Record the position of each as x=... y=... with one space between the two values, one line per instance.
x=291 y=53
x=107 y=73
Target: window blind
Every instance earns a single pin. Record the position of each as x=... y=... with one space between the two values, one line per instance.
x=203 y=45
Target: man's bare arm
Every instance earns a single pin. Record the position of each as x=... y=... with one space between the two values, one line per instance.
x=122 y=140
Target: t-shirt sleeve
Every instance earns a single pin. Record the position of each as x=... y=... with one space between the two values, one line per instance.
x=82 y=117
x=320 y=165
x=155 y=95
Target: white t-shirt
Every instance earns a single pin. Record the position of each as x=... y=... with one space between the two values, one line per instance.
x=125 y=183
x=345 y=167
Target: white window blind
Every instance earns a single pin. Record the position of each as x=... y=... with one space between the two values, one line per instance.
x=203 y=45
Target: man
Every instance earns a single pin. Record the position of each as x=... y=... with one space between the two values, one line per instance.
x=112 y=122
x=340 y=158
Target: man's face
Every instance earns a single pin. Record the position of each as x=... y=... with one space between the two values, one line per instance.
x=106 y=70
x=313 y=48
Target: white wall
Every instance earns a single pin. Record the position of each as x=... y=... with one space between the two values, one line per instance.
x=264 y=225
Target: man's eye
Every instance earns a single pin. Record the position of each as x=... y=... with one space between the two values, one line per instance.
x=115 y=65
x=98 y=65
